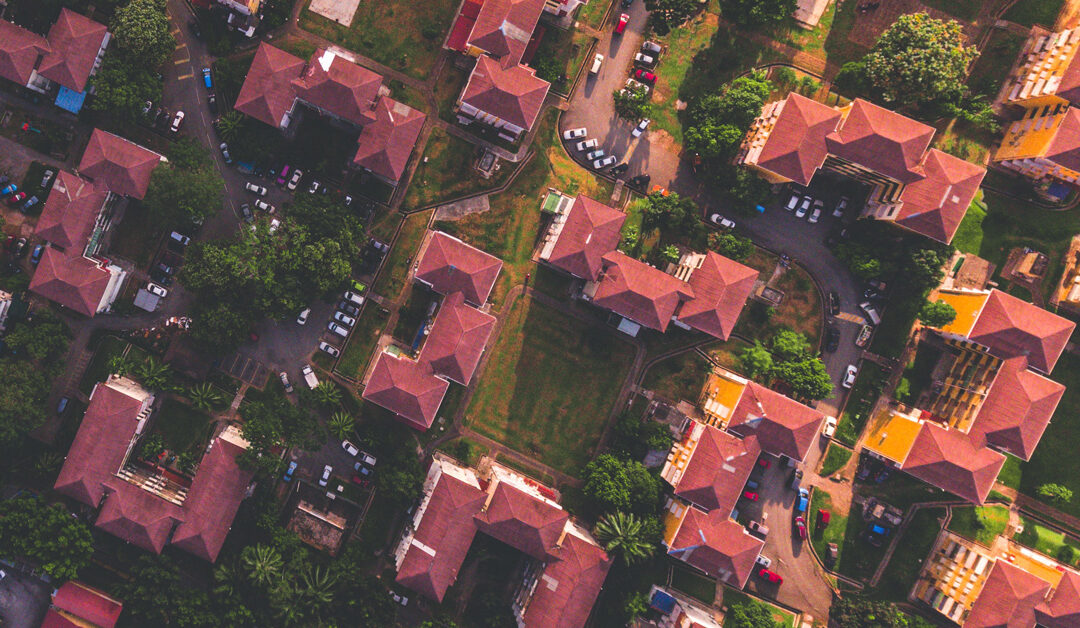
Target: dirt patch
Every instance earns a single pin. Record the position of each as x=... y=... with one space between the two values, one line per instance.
x=460 y=209
x=665 y=141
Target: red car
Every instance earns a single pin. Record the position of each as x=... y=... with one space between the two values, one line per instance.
x=620 y=26
x=823 y=516
x=644 y=76
x=771 y=576
x=15 y=199
x=800 y=526
x=752 y=496
x=764 y=462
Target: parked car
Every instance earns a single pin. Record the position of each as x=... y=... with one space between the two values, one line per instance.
x=35 y=257
x=598 y=60
x=750 y=495
x=770 y=576
x=834 y=302
x=352 y=297
x=62 y=405
x=264 y=206
x=147 y=107
x=338 y=329
x=45 y=178
x=849 y=376
x=349 y=448
x=803 y=207
x=640 y=128
x=823 y=516
x=178 y=119
x=295 y=179
x=283 y=176
x=792 y=203
x=179 y=239
x=759 y=529
x=309 y=376
x=245 y=212
x=8 y=189
x=864 y=336
x=595 y=154
x=211 y=103
x=344 y=319
x=586 y=144
x=289 y=472
x=605 y=162
x=815 y=215
x=644 y=76
x=841 y=205
x=871 y=312
x=800 y=527
x=573 y=134
x=326 y=471
x=620 y=26
x=796 y=477
x=640 y=181
x=832 y=551
x=830 y=427
x=644 y=59
x=284 y=377
x=618 y=169
x=832 y=339
x=19 y=251
x=400 y=599
x=652 y=48
x=329 y=348
x=156 y=290
x=255 y=189
x=763 y=561
x=206 y=78
x=349 y=308
x=301 y=318
x=764 y=463
x=803 y=501
x=16 y=198
x=274 y=224
x=225 y=152
x=720 y=221
x=30 y=203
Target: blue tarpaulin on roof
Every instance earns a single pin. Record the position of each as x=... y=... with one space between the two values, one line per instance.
x=69 y=100
x=662 y=602
x=1058 y=190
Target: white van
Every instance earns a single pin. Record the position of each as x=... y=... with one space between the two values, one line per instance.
x=598 y=60
x=871 y=313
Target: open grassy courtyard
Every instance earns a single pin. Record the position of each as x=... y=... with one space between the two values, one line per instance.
x=549 y=385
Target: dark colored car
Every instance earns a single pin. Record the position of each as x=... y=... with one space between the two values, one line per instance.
x=832 y=339
x=644 y=76
x=30 y=203
x=212 y=103
x=619 y=169
x=640 y=181
x=348 y=308
x=195 y=30
x=19 y=250
x=834 y=303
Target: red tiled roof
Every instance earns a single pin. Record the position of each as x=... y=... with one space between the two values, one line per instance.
x=592 y=229
x=717 y=470
x=53 y=619
x=75 y=40
x=522 y=521
x=1064 y=148
x=721 y=287
x=1008 y=598
x=512 y=94
x=385 y=144
x=121 y=166
x=565 y=593
x=212 y=501
x=881 y=140
x=950 y=461
x=71 y=210
x=463 y=25
x=137 y=516
x=783 y=426
x=442 y=539
x=1011 y=328
x=935 y=205
x=87 y=603
x=100 y=444
x=339 y=86
x=1017 y=409
x=407 y=389
x=639 y=292
x=1062 y=609
x=19 y=52
x=796 y=148
x=449 y=265
x=457 y=339
x=70 y=280
x=503 y=28
x=716 y=545
x=267 y=93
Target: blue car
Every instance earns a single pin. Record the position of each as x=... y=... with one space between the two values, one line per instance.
x=8 y=190
x=35 y=257
x=289 y=472
x=206 y=78
x=804 y=499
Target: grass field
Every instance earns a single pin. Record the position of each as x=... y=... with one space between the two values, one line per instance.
x=396 y=266
x=903 y=569
x=836 y=458
x=981 y=524
x=833 y=532
x=181 y=426
x=1047 y=541
x=1011 y=472
x=693 y=584
x=1055 y=458
x=800 y=310
x=679 y=377
x=964 y=10
x=1031 y=12
x=449 y=172
x=406 y=36
x=549 y=385
x=464 y=449
x=592 y=14
x=355 y=357
x=731 y=597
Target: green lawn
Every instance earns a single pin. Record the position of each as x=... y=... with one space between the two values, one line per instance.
x=406 y=36
x=1011 y=472
x=964 y=10
x=549 y=385
x=679 y=377
x=592 y=14
x=863 y=396
x=833 y=532
x=836 y=458
x=566 y=50
x=449 y=172
x=693 y=584
x=1055 y=459
x=396 y=266
x=1047 y=541
x=731 y=597
x=1031 y=12
x=903 y=569
x=355 y=357
x=464 y=449
x=981 y=524
x=181 y=426
x=98 y=369
x=800 y=310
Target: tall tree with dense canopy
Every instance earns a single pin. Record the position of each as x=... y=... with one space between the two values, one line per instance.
x=614 y=484
x=45 y=535
x=187 y=190
x=807 y=378
x=756 y=361
x=141 y=30
x=122 y=88
x=667 y=14
x=937 y=313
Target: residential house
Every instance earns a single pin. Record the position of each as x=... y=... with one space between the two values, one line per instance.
x=413 y=389
x=333 y=85
x=146 y=505
x=989 y=396
x=709 y=467
x=679 y=611
x=916 y=187
x=713 y=543
x=59 y=65
x=76 y=605
x=566 y=567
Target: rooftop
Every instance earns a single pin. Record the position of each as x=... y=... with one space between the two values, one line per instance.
x=717 y=546
x=883 y=141
x=457 y=339
x=949 y=460
x=387 y=141
x=449 y=265
x=121 y=166
x=935 y=206
x=639 y=292
x=513 y=93
x=782 y=425
x=337 y=85
x=267 y=93
x=70 y=212
x=717 y=469
x=71 y=280
x=590 y=231
x=75 y=41
x=19 y=52
x=406 y=388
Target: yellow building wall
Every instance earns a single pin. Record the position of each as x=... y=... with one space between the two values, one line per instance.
x=1028 y=137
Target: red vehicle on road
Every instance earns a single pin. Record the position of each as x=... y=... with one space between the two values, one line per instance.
x=800 y=526
x=752 y=496
x=620 y=26
x=771 y=576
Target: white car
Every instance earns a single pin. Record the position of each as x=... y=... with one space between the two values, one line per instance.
x=632 y=83
x=644 y=59
x=840 y=207
x=816 y=214
x=792 y=202
x=804 y=207
x=587 y=144
x=344 y=319
x=177 y=121
x=295 y=180
x=156 y=290
x=830 y=427
x=302 y=318
x=255 y=189
x=595 y=154
x=329 y=348
x=605 y=162
x=651 y=47
x=726 y=223
x=573 y=134
x=285 y=381
x=849 y=377
x=338 y=329
x=326 y=471
x=597 y=61
x=354 y=298
x=274 y=224
x=349 y=448
x=763 y=561
x=263 y=205
x=640 y=128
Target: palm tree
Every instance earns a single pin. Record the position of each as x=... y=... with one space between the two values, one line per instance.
x=204 y=396
x=328 y=394
x=119 y=365
x=225 y=580
x=318 y=590
x=48 y=463
x=228 y=126
x=625 y=535
x=262 y=563
x=154 y=374
x=341 y=424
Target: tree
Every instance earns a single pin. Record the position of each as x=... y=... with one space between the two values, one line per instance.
x=632 y=103
x=738 y=103
x=45 y=535
x=923 y=269
x=204 y=396
x=1055 y=493
x=755 y=13
x=43 y=338
x=48 y=463
x=22 y=399
x=731 y=246
x=614 y=484
x=179 y=197
x=141 y=30
x=547 y=68
x=937 y=313
x=153 y=374
x=155 y=596
x=623 y=535
x=855 y=611
x=745 y=189
x=807 y=378
x=341 y=425
x=328 y=394
x=670 y=254
x=920 y=60
x=789 y=345
x=677 y=216
x=119 y=365
x=852 y=79
x=274 y=421
x=750 y=614
x=122 y=88
x=667 y=14
x=714 y=141
x=228 y=126
x=262 y=564
x=756 y=361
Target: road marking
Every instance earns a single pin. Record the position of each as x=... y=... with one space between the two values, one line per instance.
x=180 y=45
x=180 y=61
x=186 y=76
x=851 y=318
x=176 y=31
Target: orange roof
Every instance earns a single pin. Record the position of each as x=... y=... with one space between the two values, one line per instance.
x=457 y=339
x=408 y=389
x=503 y=28
x=71 y=280
x=120 y=165
x=1013 y=328
x=88 y=604
x=1062 y=608
x=883 y=141
x=569 y=586
x=796 y=148
x=1064 y=148
x=449 y=265
x=523 y=521
x=213 y=499
x=934 y=206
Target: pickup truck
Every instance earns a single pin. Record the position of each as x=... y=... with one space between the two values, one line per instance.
x=309 y=376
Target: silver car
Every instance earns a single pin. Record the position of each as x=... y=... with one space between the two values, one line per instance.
x=338 y=329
